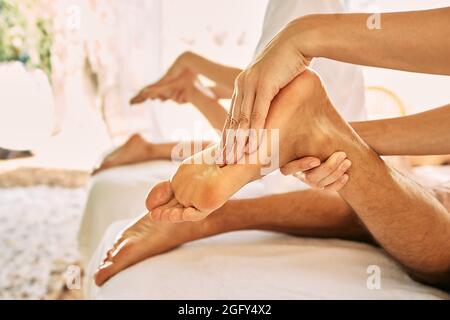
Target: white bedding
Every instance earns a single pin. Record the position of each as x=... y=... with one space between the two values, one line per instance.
x=120 y=193
x=259 y=265
x=240 y=265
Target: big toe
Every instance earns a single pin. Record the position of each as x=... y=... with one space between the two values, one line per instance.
x=123 y=257
x=160 y=195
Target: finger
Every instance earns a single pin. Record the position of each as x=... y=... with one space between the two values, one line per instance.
x=241 y=141
x=139 y=97
x=232 y=130
x=192 y=214
x=339 y=172
x=183 y=97
x=300 y=165
x=176 y=215
x=176 y=95
x=152 y=91
x=220 y=159
x=166 y=209
x=314 y=176
x=148 y=93
x=339 y=184
x=244 y=121
x=258 y=118
x=159 y=195
x=159 y=214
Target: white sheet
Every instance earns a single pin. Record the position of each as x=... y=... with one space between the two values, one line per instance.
x=120 y=193
x=237 y=265
x=259 y=265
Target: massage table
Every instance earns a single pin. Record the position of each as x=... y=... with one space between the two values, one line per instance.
x=237 y=265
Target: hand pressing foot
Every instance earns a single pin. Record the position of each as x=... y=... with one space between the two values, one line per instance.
x=330 y=175
x=306 y=121
x=135 y=150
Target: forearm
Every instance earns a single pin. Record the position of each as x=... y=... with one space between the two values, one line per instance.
x=425 y=133
x=221 y=74
x=412 y=41
x=210 y=108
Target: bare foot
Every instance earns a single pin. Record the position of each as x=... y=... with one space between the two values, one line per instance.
x=307 y=119
x=144 y=239
x=135 y=150
x=179 y=89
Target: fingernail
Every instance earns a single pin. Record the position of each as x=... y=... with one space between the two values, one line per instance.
x=218 y=154
x=314 y=163
x=344 y=179
x=342 y=157
x=252 y=141
x=231 y=156
x=346 y=164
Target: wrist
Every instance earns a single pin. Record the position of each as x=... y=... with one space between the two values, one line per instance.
x=372 y=132
x=308 y=34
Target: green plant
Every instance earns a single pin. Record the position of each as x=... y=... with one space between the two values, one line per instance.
x=26 y=40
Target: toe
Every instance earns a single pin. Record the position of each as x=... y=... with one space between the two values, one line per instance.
x=155 y=214
x=176 y=215
x=123 y=257
x=192 y=214
x=162 y=213
x=160 y=195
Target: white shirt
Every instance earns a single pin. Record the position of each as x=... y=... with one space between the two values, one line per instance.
x=344 y=82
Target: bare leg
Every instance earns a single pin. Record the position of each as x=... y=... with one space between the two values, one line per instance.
x=408 y=221
x=131 y=246
x=405 y=218
x=136 y=150
x=304 y=213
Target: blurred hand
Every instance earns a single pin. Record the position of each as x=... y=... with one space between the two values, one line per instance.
x=179 y=69
x=330 y=175
x=255 y=88
x=179 y=90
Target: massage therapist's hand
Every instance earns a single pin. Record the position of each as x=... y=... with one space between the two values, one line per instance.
x=280 y=62
x=330 y=175
x=178 y=68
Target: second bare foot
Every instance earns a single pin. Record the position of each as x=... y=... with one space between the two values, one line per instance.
x=136 y=149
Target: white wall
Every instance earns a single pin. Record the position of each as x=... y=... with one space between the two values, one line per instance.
x=224 y=31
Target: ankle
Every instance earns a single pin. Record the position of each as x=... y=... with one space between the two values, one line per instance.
x=324 y=130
